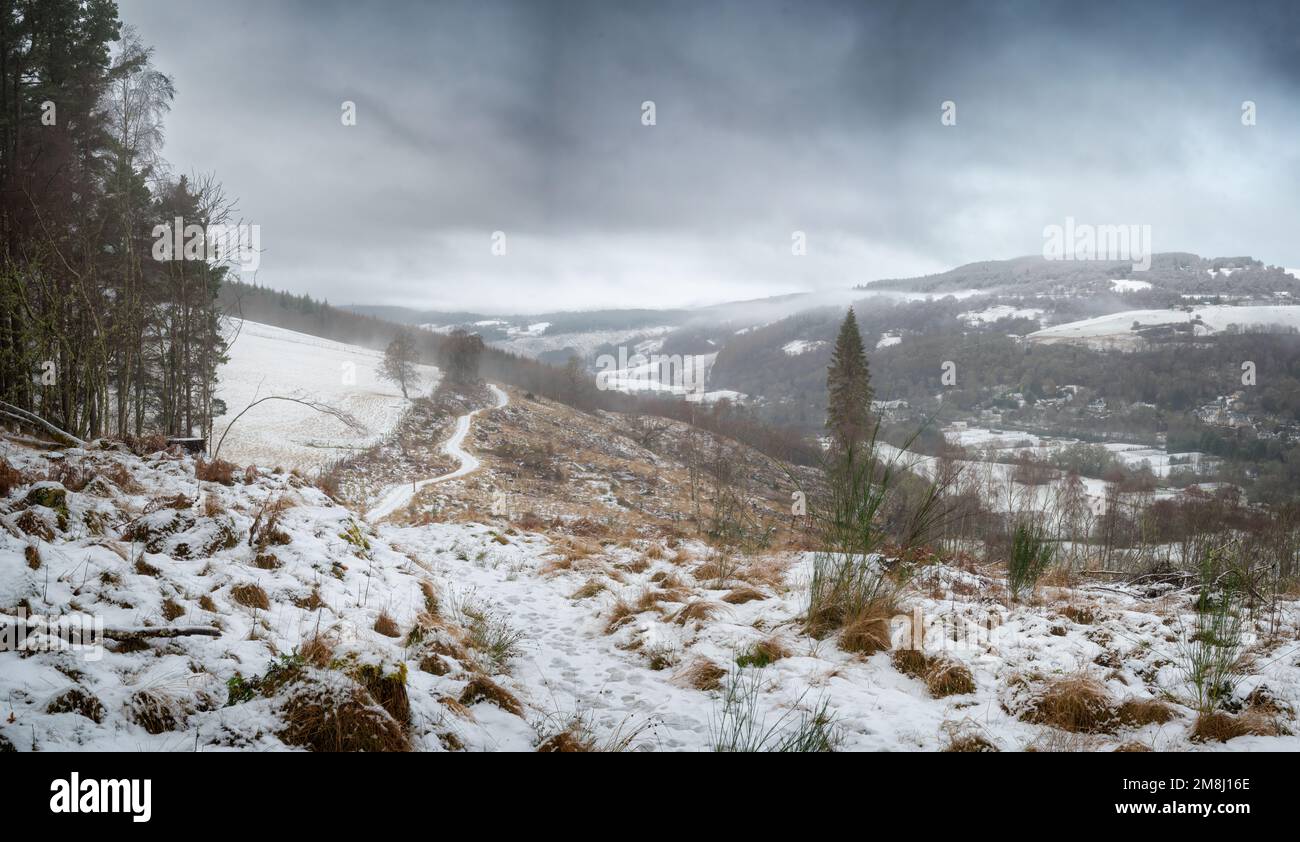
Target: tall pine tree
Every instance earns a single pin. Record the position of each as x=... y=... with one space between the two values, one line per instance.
x=848 y=386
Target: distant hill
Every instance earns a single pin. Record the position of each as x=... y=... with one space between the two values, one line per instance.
x=1178 y=272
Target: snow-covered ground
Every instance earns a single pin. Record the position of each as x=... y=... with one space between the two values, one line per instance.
x=397 y=606
x=1117 y=328
x=1125 y=285
x=267 y=360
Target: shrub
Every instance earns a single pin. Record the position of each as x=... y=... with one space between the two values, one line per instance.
x=1209 y=653
x=1030 y=557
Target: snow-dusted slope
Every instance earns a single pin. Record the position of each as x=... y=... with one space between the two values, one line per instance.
x=1117 y=328
x=267 y=360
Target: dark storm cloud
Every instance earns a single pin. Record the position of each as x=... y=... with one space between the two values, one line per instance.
x=772 y=118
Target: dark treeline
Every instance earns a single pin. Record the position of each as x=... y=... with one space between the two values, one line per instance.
x=97 y=335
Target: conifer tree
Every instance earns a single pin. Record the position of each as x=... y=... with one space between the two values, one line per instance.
x=848 y=384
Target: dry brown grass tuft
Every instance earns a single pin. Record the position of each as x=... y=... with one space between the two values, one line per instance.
x=218 y=471
x=484 y=689
x=589 y=589
x=324 y=717
x=206 y=603
x=1078 y=703
x=867 y=634
x=1138 y=712
x=719 y=568
x=696 y=610
x=942 y=675
x=388 y=688
x=620 y=615
x=386 y=625
x=430 y=593
x=251 y=596
x=668 y=580
x=155 y=711
x=1133 y=745
x=1221 y=727
x=911 y=662
x=948 y=677
x=702 y=674
x=317 y=650
x=456 y=708
x=171 y=609
x=33 y=556
x=212 y=506
x=1081 y=614
x=970 y=743
x=764 y=652
x=77 y=700
x=740 y=596
x=572 y=740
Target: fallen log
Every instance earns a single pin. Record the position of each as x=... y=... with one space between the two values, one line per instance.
x=127 y=634
x=161 y=631
x=31 y=419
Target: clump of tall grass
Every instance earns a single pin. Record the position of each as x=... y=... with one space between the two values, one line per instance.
x=487 y=632
x=738 y=725
x=1031 y=555
x=863 y=489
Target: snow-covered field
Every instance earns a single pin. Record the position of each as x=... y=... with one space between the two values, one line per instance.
x=532 y=343
x=999 y=311
x=802 y=346
x=266 y=360
x=683 y=375
x=1117 y=328
x=1125 y=285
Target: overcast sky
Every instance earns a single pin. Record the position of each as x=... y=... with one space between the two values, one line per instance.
x=770 y=118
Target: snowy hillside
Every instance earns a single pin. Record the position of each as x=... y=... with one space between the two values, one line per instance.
x=267 y=360
x=1118 y=328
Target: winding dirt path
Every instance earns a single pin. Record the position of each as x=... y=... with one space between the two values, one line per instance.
x=397 y=496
